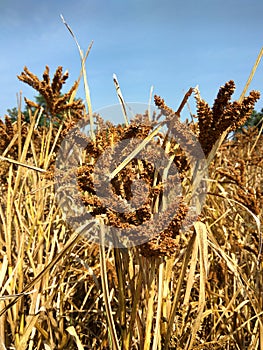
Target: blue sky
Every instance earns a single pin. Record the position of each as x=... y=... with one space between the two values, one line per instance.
x=172 y=45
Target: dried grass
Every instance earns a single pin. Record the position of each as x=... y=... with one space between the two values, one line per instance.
x=60 y=291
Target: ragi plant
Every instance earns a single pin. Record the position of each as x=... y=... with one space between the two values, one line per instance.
x=197 y=287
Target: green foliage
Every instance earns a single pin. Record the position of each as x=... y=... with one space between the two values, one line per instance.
x=13 y=113
x=39 y=99
x=254 y=121
x=45 y=118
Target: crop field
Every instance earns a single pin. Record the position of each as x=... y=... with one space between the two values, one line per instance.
x=194 y=283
